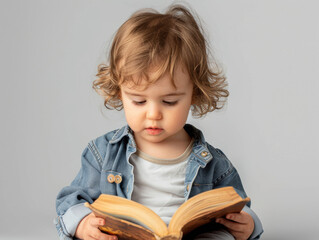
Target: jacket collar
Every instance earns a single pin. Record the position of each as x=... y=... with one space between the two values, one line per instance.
x=201 y=153
x=119 y=134
x=200 y=150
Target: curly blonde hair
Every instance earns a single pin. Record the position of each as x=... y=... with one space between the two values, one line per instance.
x=151 y=39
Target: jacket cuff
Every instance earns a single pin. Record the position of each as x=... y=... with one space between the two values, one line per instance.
x=70 y=220
x=258 y=230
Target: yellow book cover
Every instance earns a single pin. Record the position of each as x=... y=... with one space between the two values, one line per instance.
x=130 y=220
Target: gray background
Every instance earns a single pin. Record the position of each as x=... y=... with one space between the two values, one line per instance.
x=49 y=55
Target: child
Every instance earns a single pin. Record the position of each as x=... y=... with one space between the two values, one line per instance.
x=158 y=70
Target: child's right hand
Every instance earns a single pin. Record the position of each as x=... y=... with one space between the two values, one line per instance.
x=88 y=229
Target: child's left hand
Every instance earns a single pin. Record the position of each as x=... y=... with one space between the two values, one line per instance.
x=240 y=225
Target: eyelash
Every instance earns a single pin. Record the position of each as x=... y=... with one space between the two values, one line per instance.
x=139 y=103
x=170 y=103
x=165 y=102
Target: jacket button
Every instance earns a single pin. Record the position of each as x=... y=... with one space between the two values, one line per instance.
x=118 y=179
x=187 y=188
x=110 y=178
x=204 y=154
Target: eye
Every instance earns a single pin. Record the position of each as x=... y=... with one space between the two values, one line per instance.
x=170 y=103
x=139 y=102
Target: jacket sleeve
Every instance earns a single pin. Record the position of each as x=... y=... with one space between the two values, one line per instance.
x=230 y=177
x=70 y=200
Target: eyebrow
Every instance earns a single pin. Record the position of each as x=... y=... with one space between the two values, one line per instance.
x=165 y=95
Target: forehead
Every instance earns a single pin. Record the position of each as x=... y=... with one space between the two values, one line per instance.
x=176 y=81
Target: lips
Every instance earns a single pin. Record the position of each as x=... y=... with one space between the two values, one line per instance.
x=154 y=131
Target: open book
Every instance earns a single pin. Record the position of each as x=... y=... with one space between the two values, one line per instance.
x=130 y=220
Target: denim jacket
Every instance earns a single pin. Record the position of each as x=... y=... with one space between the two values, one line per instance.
x=108 y=157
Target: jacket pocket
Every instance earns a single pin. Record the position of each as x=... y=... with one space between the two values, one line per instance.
x=111 y=182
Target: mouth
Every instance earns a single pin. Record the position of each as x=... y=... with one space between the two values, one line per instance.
x=154 y=130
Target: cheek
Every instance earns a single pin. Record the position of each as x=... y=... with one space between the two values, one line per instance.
x=179 y=117
x=134 y=118
x=127 y=110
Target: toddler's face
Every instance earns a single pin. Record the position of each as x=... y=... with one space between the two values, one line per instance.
x=159 y=112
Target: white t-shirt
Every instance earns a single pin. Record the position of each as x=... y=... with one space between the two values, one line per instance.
x=159 y=183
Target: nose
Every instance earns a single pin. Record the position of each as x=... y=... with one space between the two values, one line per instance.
x=154 y=112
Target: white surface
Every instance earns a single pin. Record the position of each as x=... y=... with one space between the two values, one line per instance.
x=269 y=128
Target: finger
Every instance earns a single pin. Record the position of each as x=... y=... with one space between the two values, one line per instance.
x=241 y=217
x=96 y=234
x=109 y=237
x=96 y=222
x=231 y=225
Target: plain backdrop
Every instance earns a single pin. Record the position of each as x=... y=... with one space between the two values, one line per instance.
x=49 y=53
